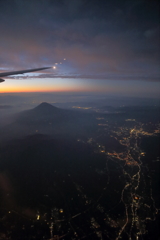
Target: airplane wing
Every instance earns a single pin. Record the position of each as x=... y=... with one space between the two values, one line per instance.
x=5 y=74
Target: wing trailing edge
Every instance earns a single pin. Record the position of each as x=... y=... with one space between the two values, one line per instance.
x=5 y=74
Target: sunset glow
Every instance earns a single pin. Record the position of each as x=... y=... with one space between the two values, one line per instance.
x=79 y=119
x=123 y=88
x=105 y=51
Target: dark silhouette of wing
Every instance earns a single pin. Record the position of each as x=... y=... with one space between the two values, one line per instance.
x=5 y=74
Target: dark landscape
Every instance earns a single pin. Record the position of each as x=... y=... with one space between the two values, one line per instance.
x=79 y=120
x=77 y=173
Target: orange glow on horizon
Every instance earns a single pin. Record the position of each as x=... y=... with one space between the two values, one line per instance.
x=13 y=90
x=49 y=90
x=56 y=86
x=38 y=86
x=40 y=89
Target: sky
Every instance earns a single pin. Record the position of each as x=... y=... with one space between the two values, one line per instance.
x=96 y=46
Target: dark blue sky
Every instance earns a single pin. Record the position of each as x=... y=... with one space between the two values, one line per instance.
x=108 y=45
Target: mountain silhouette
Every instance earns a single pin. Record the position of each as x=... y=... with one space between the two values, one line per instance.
x=50 y=120
x=43 y=113
x=45 y=107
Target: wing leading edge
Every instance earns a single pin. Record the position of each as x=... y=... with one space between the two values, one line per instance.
x=5 y=74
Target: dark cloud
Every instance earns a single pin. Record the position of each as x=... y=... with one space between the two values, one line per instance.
x=105 y=39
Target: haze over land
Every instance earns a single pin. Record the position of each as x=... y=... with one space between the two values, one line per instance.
x=79 y=143
x=79 y=161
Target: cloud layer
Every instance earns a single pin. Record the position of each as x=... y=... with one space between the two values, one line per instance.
x=99 y=39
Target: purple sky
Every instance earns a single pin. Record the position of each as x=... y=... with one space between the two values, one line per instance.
x=102 y=41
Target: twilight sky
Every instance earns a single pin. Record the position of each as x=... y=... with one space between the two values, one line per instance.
x=109 y=46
